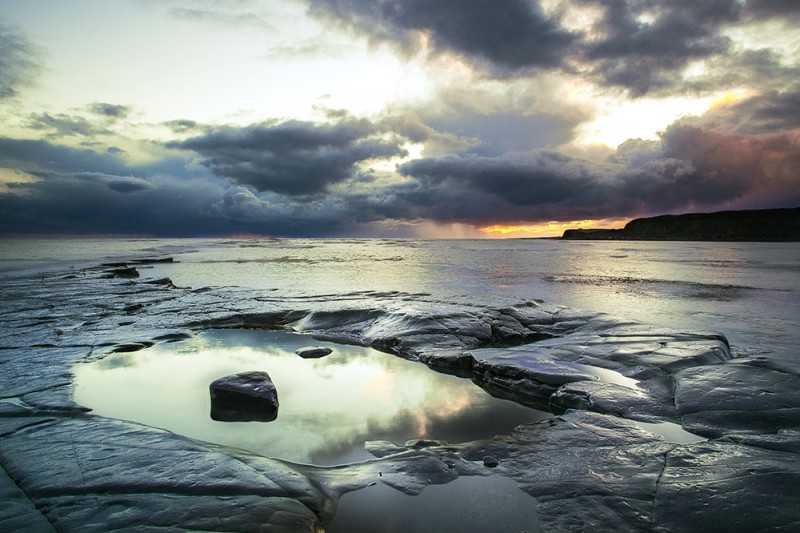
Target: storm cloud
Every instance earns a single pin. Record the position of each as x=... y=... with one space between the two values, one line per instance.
x=294 y=158
x=638 y=45
x=505 y=35
x=784 y=9
x=644 y=44
x=688 y=167
x=502 y=137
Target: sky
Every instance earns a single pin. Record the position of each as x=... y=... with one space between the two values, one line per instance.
x=392 y=118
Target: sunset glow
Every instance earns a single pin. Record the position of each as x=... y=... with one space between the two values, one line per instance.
x=550 y=229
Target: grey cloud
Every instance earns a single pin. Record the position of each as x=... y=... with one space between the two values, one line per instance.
x=688 y=168
x=505 y=35
x=82 y=191
x=644 y=56
x=500 y=132
x=214 y=13
x=182 y=125
x=489 y=122
x=641 y=46
x=113 y=111
x=540 y=179
x=19 y=62
x=293 y=158
x=39 y=155
x=129 y=185
x=69 y=204
x=63 y=125
x=768 y=112
x=784 y=9
x=116 y=151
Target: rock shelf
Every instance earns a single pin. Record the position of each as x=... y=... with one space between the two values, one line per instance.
x=589 y=468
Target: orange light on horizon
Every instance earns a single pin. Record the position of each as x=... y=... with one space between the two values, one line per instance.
x=550 y=229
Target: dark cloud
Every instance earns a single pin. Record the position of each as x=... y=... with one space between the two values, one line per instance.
x=293 y=158
x=62 y=203
x=768 y=112
x=113 y=111
x=645 y=44
x=19 y=61
x=505 y=35
x=34 y=156
x=82 y=191
x=641 y=46
x=689 y=167
x=129 y=185
x=759 y=169
x=102 y=117
x=540 y=179
x=277 y=178
x=783 y=9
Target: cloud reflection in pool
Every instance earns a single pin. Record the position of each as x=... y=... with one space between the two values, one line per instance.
x=328 y=407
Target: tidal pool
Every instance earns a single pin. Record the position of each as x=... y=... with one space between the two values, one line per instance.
x=328 y=407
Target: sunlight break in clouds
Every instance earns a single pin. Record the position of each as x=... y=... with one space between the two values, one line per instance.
x=439 y=118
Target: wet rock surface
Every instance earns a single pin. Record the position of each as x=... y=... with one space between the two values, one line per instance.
x=313 y=352
x=244 y=397
x=590 y=468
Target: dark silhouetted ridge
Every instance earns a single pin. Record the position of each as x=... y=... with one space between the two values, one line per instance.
x=768 y=225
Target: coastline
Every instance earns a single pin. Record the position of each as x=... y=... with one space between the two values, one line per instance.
x=763 y=225
x=525 y=352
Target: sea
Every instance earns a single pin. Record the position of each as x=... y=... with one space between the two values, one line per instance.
x=748 y=291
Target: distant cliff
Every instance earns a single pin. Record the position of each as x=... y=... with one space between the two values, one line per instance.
x=776 y=225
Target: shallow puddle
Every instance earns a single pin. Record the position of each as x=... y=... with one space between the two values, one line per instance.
x=328 y=407
x=670 y=432
x=467 y=505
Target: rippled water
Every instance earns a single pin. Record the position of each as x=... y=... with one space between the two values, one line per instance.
x=749 y=291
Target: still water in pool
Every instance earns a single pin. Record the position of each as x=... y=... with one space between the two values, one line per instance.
x=328 y=407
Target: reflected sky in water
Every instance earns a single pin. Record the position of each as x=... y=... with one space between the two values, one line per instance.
x=328 y=407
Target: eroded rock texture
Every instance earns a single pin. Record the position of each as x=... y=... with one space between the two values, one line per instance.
x=592 y=467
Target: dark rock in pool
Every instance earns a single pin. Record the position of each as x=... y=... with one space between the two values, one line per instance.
x=490 y=461
x=313 y=352
x=244 y=397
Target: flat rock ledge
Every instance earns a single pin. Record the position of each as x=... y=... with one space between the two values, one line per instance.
x=594 y=466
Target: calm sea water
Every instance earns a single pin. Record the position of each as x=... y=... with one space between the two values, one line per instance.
x=748 y=291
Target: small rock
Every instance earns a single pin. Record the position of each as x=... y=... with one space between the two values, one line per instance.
x=161 y=281
x=131 y=346
x=123 y=272
x=244 y=397
x=424 y=443
x=490 y=461
x=314 y=352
